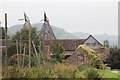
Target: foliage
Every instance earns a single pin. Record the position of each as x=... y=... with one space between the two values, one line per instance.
x=89 y=72
x=114 y=58
x=25 y=37
x=34 y=61
x=57 y=71
x=92 y=73
x=79 y=74
x=103 y=66
x=11 y=49
x=93 y=58
x=82 y=67
x=36 y=38
x=106 y=43
x=58 y=52
x=25 y=34
x=2 y=33
x=109 y=74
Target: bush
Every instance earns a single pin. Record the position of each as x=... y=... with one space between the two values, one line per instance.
x=58 y=52
x=82 y=67
x=52 y=71
x=11 y=49
x=114 y=58
x=79 y=74
x=92 y=73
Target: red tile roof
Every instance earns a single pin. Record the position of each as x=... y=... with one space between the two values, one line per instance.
x=68 y=44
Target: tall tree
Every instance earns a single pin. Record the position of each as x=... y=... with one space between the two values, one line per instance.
x=25 y=38
x=58 y=52
x=114 y=58
x=106 y=43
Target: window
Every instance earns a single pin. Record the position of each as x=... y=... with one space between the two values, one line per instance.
x=88 y=44
x=3 y=43
x=93 y=44
x=80 y=59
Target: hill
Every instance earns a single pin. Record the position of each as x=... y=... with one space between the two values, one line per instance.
x=113 y=39
x=59 y=33
x=62 y=34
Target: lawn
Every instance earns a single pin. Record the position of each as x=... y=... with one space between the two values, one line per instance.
x=109 y=74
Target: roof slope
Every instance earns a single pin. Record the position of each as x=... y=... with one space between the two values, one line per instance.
x=92 y=56
x=46 y=31
x=68 y=44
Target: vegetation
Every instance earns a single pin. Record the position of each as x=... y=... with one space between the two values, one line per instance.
x=25 y=36
x=58 y=53
x=11 y=49
x=106 y=43
x=114 y=58
x=58 y=71
x=2 y=33
x=109 y=74
x=93 y=58
x=36 y=50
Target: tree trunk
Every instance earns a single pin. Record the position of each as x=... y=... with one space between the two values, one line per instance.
x=17 y=53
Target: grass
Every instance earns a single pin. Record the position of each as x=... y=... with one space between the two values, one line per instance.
x=109 y=74
x=59 y=71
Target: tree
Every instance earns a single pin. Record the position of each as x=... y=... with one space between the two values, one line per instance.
x=58 y=52
x=25 y=37
x=114 y=58
x=106 y=43
x=2 y=33
x=38 y=42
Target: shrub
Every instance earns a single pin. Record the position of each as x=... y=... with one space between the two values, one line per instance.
x=58 y=52
x=94 y=59
x=82 y=67
x=92 y=73
x=114 y=58
x=52 y=71
x=79 y=74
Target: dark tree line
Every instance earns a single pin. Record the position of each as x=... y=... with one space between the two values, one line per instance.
x=114 y=58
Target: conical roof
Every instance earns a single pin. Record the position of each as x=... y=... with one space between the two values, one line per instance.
x=46 y=31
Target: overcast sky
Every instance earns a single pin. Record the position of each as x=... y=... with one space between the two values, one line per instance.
x=89 y=17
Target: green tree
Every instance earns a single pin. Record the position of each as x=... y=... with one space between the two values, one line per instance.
x=106 y=43
x=58 y=52
x=36 y=38
x=25 y=37
x=114 y=58
x=2 y=33
x=11 y=49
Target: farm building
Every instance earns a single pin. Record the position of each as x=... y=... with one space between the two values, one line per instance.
x=70 y=45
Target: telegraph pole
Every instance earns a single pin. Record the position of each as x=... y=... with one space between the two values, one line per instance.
x=6 y=40
x=30 y=45
x=17 y=54
x=28 y=21
x=20 y=49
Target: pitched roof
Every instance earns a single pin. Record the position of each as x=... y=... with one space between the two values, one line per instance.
x=46 y=31
x=68 y=44
x=93 y=38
